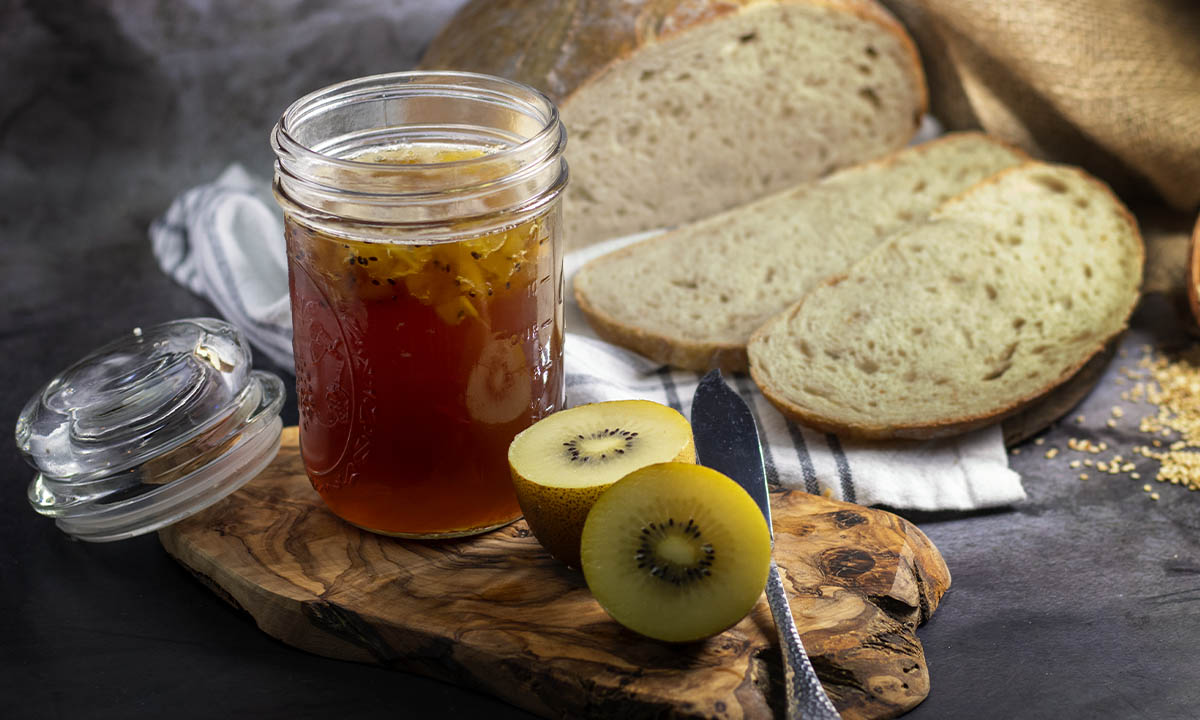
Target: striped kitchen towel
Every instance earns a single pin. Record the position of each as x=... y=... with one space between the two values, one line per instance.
x=224 y=241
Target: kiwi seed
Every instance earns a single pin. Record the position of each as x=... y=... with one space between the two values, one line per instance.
x=671 y=569
x=600 y=444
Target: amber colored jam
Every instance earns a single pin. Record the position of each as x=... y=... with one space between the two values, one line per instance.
x=415 y=367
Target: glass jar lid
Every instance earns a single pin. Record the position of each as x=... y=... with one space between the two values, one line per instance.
x=149 y=429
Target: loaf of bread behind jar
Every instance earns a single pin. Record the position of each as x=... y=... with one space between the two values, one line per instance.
x=677 y=109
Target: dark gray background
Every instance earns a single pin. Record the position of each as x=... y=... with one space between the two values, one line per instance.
x=1083 y=602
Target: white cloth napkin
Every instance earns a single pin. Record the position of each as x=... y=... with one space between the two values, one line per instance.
x=225 y=241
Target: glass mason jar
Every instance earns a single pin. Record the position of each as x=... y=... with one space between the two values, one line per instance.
x=423 y=215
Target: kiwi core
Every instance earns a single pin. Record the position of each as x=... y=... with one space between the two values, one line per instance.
x=673 y=553
x=600 y=445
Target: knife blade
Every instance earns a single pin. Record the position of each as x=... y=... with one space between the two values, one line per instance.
x=726 y=439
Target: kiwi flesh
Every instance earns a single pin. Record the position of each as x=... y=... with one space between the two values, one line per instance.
x=676 y=552
x=562 y=463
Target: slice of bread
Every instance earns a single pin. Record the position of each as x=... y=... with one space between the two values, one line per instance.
x=692 y=298
x=1002 y=295
x=676 y=109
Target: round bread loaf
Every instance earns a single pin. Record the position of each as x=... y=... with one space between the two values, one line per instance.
x=676 y=110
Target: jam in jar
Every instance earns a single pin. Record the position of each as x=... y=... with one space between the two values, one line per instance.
x=426 y=288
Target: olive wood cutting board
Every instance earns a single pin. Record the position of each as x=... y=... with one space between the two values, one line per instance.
x=496 y=613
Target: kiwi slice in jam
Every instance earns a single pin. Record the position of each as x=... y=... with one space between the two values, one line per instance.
x=676 y=552
x=563 y=462
x=457 y=279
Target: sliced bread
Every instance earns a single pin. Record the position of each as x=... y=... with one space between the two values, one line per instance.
x=692 y=298
x=1002 y=295
x=676 y=109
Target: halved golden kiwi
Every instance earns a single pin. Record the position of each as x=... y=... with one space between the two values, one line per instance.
x=563 y=462
x=676 y=552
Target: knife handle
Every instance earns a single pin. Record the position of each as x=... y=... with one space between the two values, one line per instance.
x=806 y=699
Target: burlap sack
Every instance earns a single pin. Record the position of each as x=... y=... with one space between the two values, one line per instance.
x=1110 y=85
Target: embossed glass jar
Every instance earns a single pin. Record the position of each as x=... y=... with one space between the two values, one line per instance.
x=422 y=215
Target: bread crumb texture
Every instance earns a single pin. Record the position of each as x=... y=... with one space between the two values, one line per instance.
x=708 y=286
x=1003 y=294
x=734 y=108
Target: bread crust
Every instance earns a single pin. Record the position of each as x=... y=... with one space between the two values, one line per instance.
x=971 y=421
x=677 y=352
x=702 y=356
x=560 y=47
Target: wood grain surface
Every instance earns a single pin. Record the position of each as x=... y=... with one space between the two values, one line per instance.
x=497 y=614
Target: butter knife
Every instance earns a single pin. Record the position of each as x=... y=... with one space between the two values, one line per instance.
x=727 y=441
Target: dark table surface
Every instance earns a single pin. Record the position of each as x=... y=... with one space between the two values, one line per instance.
x=1082 y=602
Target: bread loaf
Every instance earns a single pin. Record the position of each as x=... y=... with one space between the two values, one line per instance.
x=949 y=325
x=692 y=298
x=676 y=109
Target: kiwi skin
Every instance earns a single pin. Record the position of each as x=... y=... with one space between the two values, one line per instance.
x=556 y=518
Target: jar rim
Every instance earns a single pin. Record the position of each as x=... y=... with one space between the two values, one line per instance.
x=517 y=128
x=282 y=138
